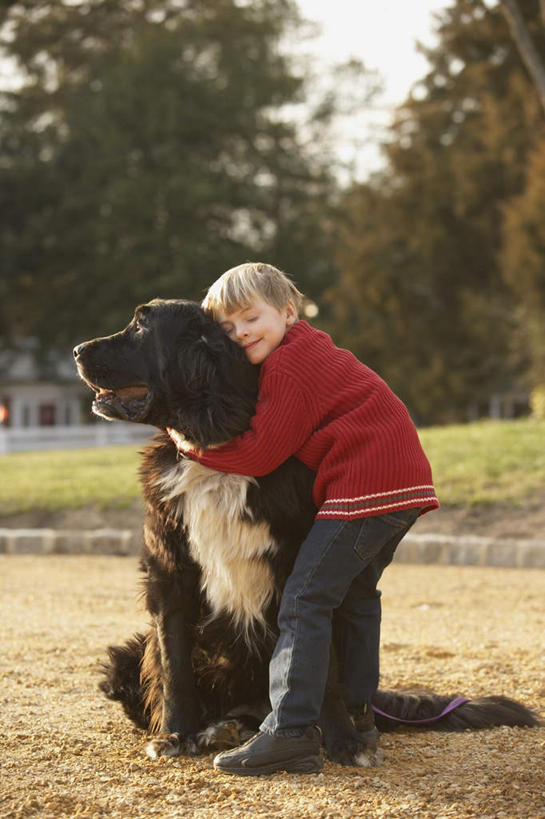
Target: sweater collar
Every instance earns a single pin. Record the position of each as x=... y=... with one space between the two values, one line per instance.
x=300 y=328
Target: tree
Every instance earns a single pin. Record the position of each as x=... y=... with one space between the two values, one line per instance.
x=525 y=44
x=420 y=260
x=523 y=260
x=147 y=150
x=523 y=251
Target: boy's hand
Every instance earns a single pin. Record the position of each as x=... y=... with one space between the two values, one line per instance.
x=182 y=444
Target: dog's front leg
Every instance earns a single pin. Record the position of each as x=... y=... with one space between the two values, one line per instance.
x=180 y=703
x=172 y=598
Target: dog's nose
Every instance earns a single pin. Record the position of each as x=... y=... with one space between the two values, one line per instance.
x=79 y=349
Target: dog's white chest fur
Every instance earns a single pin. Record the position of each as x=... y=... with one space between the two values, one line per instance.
x=223 y=539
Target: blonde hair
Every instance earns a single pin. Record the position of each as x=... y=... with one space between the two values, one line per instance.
x=238 y=286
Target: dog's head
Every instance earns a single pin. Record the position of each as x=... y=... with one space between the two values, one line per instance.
x=174 y=366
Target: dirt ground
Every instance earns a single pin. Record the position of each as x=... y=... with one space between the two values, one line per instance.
x=68 y=752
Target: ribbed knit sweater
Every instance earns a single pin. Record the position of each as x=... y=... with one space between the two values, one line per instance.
x=318 y=402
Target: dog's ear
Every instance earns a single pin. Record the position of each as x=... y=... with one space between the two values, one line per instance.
x=214 y=337
x=200 y=365
x=217 y=389
x=201 y=410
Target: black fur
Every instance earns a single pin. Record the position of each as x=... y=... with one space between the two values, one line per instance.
x=192 y=669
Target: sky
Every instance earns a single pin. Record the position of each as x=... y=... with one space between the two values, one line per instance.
x=383 y=34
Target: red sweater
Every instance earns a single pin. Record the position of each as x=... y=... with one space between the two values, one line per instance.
x=319 y=403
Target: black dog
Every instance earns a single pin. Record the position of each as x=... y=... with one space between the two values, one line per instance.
x=218 y=549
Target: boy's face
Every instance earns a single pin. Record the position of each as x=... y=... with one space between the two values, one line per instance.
x=258 y=327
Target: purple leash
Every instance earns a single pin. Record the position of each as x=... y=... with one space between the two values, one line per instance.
x=450 y=707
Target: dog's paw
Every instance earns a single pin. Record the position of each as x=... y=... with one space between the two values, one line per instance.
x=220 y=736
x=368 y=759
x=358 y=750
x=171 y=745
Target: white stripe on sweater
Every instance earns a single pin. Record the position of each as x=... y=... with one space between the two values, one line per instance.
x=380 y=494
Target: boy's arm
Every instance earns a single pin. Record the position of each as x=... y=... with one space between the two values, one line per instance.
x=280 y=426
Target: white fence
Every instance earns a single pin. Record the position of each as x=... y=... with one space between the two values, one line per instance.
x=21 y=439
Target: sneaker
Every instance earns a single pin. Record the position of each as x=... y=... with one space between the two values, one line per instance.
x=268 y=753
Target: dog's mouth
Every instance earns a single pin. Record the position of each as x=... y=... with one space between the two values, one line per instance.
x=126 y=403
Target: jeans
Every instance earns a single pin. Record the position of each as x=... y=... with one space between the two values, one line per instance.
x=335 y=575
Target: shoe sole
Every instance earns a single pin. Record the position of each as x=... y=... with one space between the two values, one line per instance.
x=310 y=764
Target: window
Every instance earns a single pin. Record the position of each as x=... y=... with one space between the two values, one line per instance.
x=47 y=414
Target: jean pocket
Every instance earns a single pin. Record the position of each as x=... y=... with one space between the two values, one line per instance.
x=399 y=520
x=377 y=531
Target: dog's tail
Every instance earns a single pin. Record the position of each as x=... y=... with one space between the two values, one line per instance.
x=425 y=710
x=122 y=679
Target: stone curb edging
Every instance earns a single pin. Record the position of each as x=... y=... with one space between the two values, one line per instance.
x=468 y=550
x=438 y=549
x=70 y=542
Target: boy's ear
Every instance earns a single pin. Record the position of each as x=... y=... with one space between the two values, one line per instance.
x=291 y=313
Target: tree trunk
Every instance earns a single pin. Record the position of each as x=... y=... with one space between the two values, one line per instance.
x=527 y=50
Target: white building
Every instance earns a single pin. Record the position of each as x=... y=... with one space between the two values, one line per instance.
x=38 y=393
x=45 y=405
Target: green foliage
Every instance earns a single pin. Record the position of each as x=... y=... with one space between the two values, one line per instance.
x=147 y=151
x=480 y=463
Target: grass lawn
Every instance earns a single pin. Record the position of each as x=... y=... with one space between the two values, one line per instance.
x=488 y=461
x=480 y=463
x=69 y=478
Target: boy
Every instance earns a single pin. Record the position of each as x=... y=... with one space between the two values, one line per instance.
x=319 y=403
